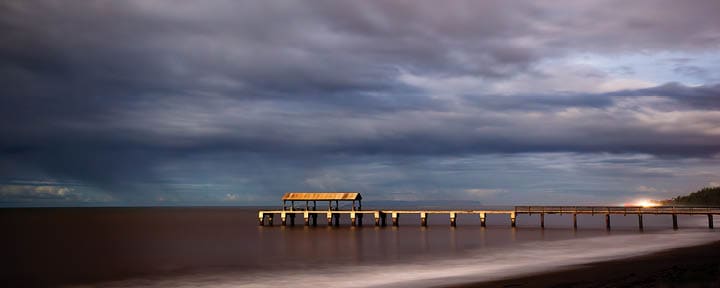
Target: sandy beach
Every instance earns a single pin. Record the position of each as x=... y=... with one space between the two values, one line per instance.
x=697 y=266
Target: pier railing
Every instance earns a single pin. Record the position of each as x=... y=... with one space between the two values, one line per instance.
x=616 y=210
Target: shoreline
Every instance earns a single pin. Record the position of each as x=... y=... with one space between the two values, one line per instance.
x=694 y=266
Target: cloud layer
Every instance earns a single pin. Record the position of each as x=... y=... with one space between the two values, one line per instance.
x=239 y=101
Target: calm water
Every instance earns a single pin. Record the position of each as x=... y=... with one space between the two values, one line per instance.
x=224 y=247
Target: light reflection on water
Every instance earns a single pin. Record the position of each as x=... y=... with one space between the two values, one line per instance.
x=436 y=255
x=223 y=246
x=474 y=265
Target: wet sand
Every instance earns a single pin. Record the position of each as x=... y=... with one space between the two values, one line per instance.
x=684 y=267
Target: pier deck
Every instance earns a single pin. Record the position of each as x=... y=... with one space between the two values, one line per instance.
x=356 y=216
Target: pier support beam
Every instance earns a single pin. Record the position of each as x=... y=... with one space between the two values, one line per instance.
x=452 y=219
x=383 y=219
x=675 y=225
x=423 y=219
x=306 y=217
x=711 y=225
x=353 y=218
x=283 y=219
x=376 y=215
x=261 y=219
x=575 y=221
x=640 y=221
x=513 y=223
x=329 y=219
x=542 y=220
x=395 y=219
x=482 y=220
x=607 y=221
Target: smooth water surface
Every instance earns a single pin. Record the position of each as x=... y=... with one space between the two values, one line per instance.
x=221 y=246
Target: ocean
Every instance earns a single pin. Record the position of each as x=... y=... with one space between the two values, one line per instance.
x=224 y=247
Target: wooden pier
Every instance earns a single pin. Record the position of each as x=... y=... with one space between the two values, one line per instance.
x=287 y=216
x=307 y=207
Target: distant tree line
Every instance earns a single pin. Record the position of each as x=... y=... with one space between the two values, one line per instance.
x=705 y=196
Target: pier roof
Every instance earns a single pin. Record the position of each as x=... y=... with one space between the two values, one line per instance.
x=321 y=196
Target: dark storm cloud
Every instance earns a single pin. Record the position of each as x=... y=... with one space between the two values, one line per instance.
x=525 y=102
x=705 y=97
x=110 y=93
x=699 y=97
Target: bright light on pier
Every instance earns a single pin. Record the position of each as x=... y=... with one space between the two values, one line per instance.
x=646 y=203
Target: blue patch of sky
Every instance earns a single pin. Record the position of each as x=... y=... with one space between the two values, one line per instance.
x=658 y=67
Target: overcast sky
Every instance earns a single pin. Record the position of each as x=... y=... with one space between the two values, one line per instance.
x=237 y=102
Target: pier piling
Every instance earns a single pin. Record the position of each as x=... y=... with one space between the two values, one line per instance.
x=292 y=219
x=423 y=219
x=607 y=221
x=482 y=220
x=711 y=225
x=270 y=219
x=640 y=221
x=542 y=220
x=575 y=221
x=674 y=219
x=395 y=219
x=452 y=219
x=306 y=217
x=513 y=223
x=261 y=219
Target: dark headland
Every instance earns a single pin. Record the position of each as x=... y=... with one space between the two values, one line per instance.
x=708 y=196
